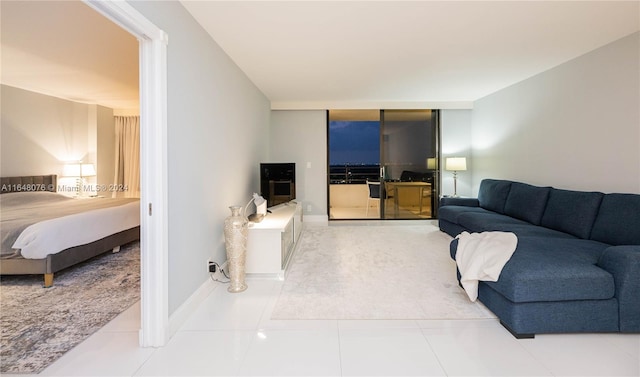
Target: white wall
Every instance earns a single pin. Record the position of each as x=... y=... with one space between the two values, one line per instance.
x=301 y=137
x=40 y=133
x=218 y=122
x=455 y=132
x=576 y=126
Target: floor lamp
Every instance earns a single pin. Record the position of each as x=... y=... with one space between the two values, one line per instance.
x=455 y=164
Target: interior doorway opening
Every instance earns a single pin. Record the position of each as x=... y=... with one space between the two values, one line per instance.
x=154 y=321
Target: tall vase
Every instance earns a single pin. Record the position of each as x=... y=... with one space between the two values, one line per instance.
x=235 y=236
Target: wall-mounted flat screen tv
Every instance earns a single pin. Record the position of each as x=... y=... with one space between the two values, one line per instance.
x=278 y=182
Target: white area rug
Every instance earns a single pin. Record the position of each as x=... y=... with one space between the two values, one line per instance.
x=374 y=272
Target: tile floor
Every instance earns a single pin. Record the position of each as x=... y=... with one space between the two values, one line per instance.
x=233 y=335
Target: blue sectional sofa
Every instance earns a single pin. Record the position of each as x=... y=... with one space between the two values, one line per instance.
x=577 y=264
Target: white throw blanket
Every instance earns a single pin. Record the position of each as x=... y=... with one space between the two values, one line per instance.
x=481 y=256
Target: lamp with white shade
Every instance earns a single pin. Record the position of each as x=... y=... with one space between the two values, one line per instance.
x=455 y=164
x=432 y=163
x=79 y=171
x=261 y=208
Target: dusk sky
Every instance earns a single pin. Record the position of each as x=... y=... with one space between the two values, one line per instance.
x=354 y=142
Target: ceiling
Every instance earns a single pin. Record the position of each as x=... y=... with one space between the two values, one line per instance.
x=307 y=53
x=321 y=54
x=66 y=49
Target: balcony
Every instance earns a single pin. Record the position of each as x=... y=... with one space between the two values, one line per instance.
x=353 y=174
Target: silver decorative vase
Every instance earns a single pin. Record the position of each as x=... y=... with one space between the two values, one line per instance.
x=235 y=238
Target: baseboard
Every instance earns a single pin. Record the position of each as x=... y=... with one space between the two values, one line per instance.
x=316 y=219
x=265 y=276
x=178 y=318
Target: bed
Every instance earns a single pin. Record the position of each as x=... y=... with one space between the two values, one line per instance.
x=44 y=232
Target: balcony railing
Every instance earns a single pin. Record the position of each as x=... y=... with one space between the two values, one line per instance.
x=353 y=174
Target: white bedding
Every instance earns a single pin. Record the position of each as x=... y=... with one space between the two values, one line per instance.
x=36 y=224
x=52 y=236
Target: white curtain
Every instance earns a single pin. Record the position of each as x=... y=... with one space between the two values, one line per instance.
x=127 y=176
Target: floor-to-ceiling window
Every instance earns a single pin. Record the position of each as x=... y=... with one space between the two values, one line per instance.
x=354 y=157
x=409 y=155
x=382 y=164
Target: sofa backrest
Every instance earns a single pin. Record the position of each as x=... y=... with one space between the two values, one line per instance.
x=493 y=193
x=572 y=212
x=618 y=220
x=609 y=218
x=526 y=202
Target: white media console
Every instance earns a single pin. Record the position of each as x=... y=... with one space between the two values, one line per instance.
x=270 y=242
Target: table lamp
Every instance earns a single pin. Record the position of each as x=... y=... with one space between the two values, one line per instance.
x=455 y=164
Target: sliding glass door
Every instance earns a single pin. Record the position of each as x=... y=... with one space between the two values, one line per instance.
x=353 y=151
x=408 y=159
x=382 y=164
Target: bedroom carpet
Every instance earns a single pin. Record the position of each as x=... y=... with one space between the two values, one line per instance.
x=374 y=272
x=38 y=325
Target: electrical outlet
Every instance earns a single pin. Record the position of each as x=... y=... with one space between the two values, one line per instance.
x=211 y=266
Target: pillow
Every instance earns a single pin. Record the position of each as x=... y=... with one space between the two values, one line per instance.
x=618 y=220
x=572 y=212
x=493 y=194
x=526 y=202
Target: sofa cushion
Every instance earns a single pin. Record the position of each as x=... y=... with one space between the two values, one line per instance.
x=491 y=221
x=458 y=201
x=576 y=248
x=530 y=230
x=450 y=228
x=493 y=193
x=573 y=212
x=451 y=213
x=554 y=271
x=526 y=202
x=485 y=221
x=618 y=220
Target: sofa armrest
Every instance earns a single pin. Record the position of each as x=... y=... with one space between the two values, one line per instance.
x=452 y=201
x=623 y=262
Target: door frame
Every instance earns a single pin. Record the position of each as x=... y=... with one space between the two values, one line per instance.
x=154 y=254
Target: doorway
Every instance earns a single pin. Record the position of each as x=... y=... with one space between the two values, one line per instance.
x=383 y=164
x=154 y=322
